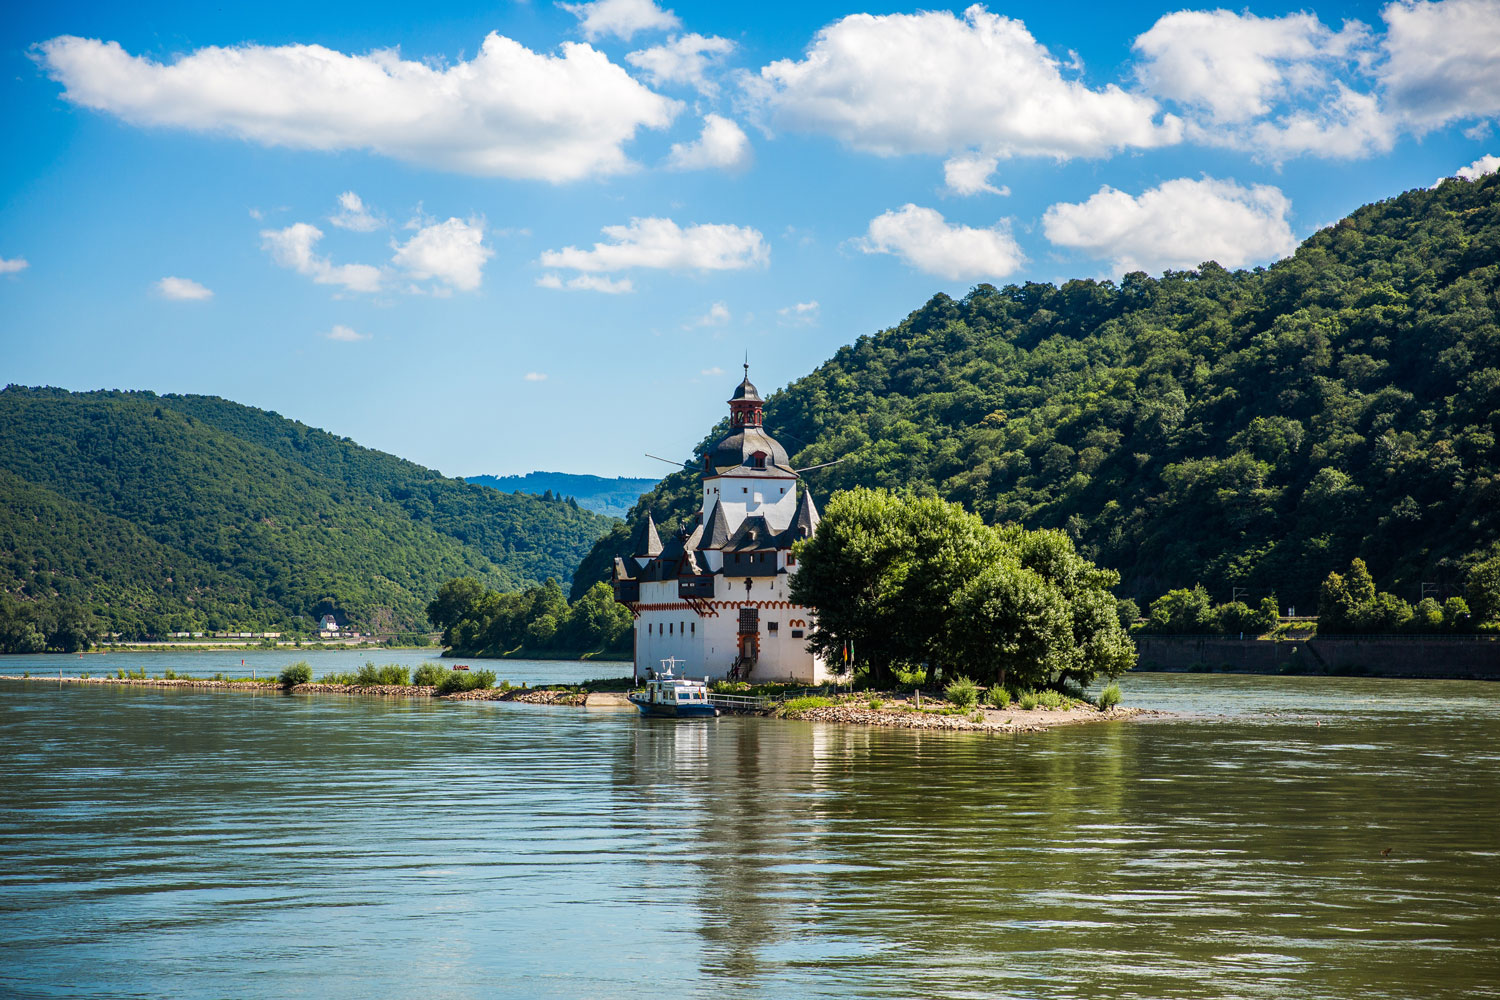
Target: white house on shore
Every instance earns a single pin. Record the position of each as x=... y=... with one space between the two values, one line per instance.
x=715 y=595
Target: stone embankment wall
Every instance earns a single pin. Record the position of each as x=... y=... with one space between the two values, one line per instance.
x=1375 y=656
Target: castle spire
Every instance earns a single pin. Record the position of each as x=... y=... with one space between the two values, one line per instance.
x=745 y=405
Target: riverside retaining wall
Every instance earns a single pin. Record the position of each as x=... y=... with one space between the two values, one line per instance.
x=1376 y=656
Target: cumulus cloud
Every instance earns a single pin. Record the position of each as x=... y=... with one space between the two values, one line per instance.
x=13 y=265
x=345 y=334
x=452 y=252
x=935 y=83
x=723 y=144
x=182 y=290
x=292 y=248
x=535 y=376
x=923 y=239
x=508 y=112
x=354 y=214
x=1179 y=224
x=970 y=174
x=621 y=18
x=662 y=244
x=684 y=59
x=1443 y=61
x=587 y=283
x=1482 y=167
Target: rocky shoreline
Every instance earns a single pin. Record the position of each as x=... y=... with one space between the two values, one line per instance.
x=988 y=720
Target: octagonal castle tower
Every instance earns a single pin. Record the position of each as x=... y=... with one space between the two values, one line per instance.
x=715 y=595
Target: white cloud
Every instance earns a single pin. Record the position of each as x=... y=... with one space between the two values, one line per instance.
x=801 y=312
x=1443 y=61
x=1179 y=224
x=354 y=214
x=1482 y=167
x=934 y=83
x=588 y=283
x=182 y=290
x=346 y=334
x=13 y=265
x=723 y=144
x=683 y=59
x=452 y=252
x=716 y=370
x=1236 y=66
x=1347 y=125
x=621 y=18
x=292 y=248
x=508 y=112
x=970 y=174
x=922 y=238
x=717 y=315
x=535 y=376
x=662 y=244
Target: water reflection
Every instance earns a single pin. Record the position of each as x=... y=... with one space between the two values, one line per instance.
x=157 y=842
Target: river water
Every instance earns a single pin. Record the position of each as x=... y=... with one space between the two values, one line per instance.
x=205 y=844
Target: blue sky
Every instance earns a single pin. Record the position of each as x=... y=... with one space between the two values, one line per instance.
x=542 y=236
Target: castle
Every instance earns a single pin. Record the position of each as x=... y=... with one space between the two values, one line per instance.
x=716 y=595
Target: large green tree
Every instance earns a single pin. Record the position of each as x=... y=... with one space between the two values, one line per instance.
x=918 y=580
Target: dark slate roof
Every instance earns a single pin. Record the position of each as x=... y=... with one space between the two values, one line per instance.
x=745 y=390
x=717 y=534
x=806 y=521
x=753 y=533
x=626 y=570
x=646 y=542
x=732 y=455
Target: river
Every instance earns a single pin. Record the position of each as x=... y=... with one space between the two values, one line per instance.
x=202 y=844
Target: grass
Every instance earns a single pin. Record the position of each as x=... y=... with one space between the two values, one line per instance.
x=997 y=697
x=1110 y=696
x=804 y=703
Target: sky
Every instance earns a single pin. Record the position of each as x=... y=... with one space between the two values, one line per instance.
x=518 y=236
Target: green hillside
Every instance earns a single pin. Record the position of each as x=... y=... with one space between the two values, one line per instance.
x=182 y=512
x=1251 y=428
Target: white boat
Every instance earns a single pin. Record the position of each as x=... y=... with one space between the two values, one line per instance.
x=673 y=697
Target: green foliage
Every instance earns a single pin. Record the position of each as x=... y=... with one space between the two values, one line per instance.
x=1052 y=699
x=429 y=674
x=190 y=513
x=344 y=678
x=63 y=625
x=1252 y=428
x=1028 y=701
x=296 y=673
x=1482 y=586
x=480 y=622
x=1110 y=696
x=912 y=580
x=962 y=692
x=795 y=705
x=1183 y=612
x=390 y=675
x=997 y=697
x=455 y=681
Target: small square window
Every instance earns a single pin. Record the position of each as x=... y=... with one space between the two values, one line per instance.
x=796 y=633
x=773 y=627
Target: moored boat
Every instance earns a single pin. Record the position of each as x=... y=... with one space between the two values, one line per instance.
x=673 y=697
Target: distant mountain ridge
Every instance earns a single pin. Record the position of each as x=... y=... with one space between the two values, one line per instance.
x=611 y=497
x=174 y=513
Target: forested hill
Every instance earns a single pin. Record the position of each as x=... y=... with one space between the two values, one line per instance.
x=1251 y=428
x=613 y=497
x=176 y=513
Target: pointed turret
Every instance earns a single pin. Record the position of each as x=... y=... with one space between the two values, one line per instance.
x=647 y=543
x=806 y=521
x=717 y=532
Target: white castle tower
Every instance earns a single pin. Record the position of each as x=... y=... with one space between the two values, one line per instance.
x=715 y=595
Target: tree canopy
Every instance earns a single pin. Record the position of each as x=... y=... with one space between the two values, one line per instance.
x=918 y=580
x=477 y=621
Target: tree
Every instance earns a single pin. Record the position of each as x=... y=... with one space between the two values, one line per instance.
x=1482 y=587
x=918 y=580
x=453 y=602
x=1183 y=612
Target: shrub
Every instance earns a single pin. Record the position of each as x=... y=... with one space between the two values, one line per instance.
x=297 y=673
x=997 y=697
x=962 y=692
x=1028 y=700
x=430 y=675
x=333 y=677
x=391 y=674
x=466 y=680
x=1110 y=696
x=805 y=703
x=876 y=703
x=169 y=674
x=1052 y=699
